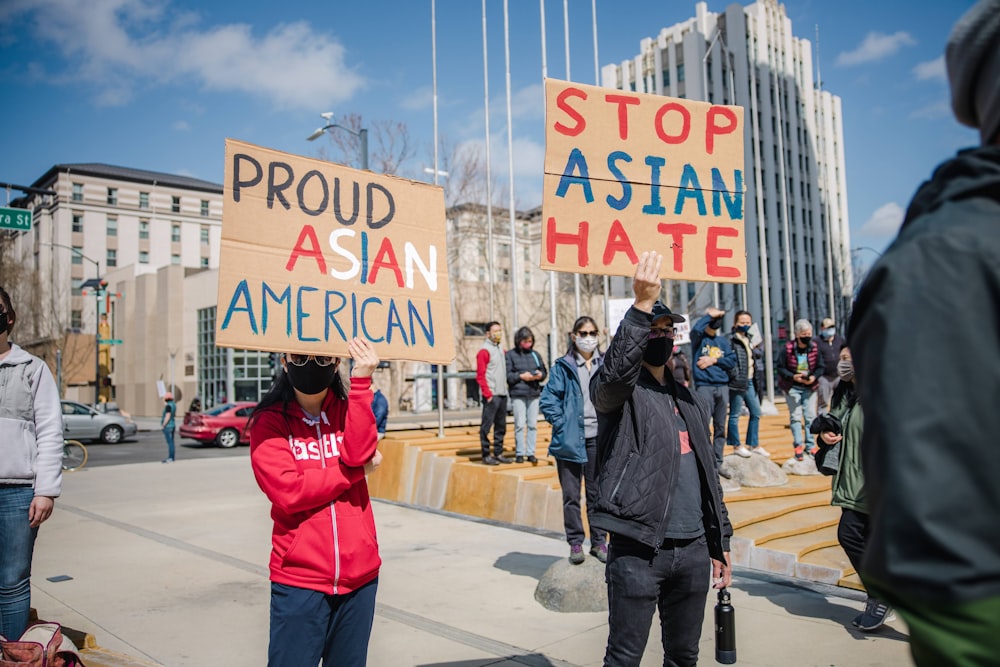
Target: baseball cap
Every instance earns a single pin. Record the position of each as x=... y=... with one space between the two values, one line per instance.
x=660 y=310
x=827 y=323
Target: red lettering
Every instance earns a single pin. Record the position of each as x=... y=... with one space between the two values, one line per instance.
x=678 y=231
x=553 y=238
x=563 y=105
x=714 y=129
x=713 y=253
x=623 y=102
x=386 y=257
x=300 y=250
x=618 y=241
x=661 y=132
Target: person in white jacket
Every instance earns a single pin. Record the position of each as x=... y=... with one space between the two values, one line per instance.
x=31 y=443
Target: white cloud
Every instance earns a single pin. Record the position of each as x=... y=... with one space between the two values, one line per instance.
x=120 y=46
x=884 y=222
x=875 y=46
x=181 y=125
x=421 y=98
x=931 y=70
x=934 y=111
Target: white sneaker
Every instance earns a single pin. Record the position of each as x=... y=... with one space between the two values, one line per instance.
x=760 y=450
x=743 y=451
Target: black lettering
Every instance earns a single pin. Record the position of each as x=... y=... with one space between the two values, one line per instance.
x=275 y=189
x=237 y=183
x=378 y=224
x=302 y=193
x=336 y=203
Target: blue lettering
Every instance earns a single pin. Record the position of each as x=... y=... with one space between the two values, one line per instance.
x=613 y=158
x=242 y=293
x=301 y=315
x=690 y=188
x=576 y=161
x=394 y=322
x=331 y=314
x=428 y=328
x=734 y=204
x=654 y=207
x=285 y=298
x=364 y=328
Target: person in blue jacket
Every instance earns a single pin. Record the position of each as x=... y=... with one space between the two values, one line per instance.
x=380 y=408
x=565 y=403
x=713 y=359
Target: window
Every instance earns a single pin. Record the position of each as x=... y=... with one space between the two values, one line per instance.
x=112 y=257
x=113 y=196
x=144 y=229
x=175 y=233
x=204 y=235
x=204 y=208
x=503 y=250
x=77 y=255
x=527 y=277
x=666 y=78
x=175 y=204
x=78 y=222
x=475 y=328
x=112 y=225
x=527 y=253
x=143 y=200
x=175 y=259
x=204 y=262
x=680 y=73
x=77 y=290
x=144 y=257
x=78 y=192
x=76 y=319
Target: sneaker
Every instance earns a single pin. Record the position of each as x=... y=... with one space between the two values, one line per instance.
x=576 y=554
x=600 y=552
x=876 y=613
x=799 y=456
x=760 y=450
x=167 y=460
x=743 y=451
x=503 y=459
x=490 y=460
x=519 y=459
x=532 y=460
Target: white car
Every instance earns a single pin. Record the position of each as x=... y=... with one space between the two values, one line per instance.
x=81 y=422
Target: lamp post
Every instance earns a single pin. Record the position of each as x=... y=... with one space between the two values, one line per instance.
x=361 y=134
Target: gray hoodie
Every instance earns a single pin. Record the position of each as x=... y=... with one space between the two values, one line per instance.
x=31 y=426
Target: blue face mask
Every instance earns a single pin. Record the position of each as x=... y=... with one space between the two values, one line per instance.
x=829 y=333
x=744 y=329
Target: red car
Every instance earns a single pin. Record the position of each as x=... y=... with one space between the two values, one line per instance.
x=225 y=425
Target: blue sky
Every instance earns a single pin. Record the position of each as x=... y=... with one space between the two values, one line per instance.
x=159 y=84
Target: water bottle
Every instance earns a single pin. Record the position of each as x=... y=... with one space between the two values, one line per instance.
x=725 y=630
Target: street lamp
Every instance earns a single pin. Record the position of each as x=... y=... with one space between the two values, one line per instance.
x=361 y=134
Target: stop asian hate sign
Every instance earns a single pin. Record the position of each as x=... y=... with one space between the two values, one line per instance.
x=629 y=172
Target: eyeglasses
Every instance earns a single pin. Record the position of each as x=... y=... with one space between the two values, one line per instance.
x=667 y=332
x=592 y=334
x=303 y=359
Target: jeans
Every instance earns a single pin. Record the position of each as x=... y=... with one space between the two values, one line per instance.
x=307 y=626
x=717 y=396
x=168 y=433
x=826 y=389
x=801 y=402
x=675 y=580
x=495 y=415
x=17 y=543
x=525 y=418
x=570 y=476
x=736 y=401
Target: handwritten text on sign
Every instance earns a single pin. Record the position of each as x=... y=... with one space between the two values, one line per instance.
x=314 y=254
x=628 y=172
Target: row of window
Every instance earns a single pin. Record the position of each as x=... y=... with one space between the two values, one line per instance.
x=112 y=200
x=112 y=228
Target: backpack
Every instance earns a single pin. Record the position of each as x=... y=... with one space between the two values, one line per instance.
x=42 y=645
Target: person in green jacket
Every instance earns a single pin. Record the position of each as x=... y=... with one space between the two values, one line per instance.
x=849 y=484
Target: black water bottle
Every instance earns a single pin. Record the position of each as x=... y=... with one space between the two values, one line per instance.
x=725 y=630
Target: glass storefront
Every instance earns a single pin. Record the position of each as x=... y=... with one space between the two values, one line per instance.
x=225 y=374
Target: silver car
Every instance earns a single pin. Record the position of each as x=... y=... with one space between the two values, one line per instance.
x=81 y=422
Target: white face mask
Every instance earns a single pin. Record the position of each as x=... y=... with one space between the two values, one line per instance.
x=585 y=343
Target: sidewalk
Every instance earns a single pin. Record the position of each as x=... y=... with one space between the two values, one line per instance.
x=168 y=564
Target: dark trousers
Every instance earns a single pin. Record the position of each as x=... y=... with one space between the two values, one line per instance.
x=717 y=396
x=495 y=416
x=308 y=626
x=675 y=580
x=570 y=476
x=852 y=533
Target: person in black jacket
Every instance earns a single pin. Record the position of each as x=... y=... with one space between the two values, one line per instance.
x=525 y=372
x=742 y=390
x=658 y=490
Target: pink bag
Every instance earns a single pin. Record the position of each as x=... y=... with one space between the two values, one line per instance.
x=42 y=645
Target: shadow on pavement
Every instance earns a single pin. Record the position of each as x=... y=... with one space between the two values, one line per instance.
x=525 y=565
x=530 y=659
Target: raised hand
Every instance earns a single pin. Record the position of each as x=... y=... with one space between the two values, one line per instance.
x=646 y=281
x=365 y=358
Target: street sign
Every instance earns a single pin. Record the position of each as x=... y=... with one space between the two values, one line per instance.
x=15 y=218
x=109 y=341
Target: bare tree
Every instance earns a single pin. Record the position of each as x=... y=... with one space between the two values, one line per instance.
x=389 y=144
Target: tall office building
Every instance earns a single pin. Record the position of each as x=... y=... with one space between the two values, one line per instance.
x=796 y=193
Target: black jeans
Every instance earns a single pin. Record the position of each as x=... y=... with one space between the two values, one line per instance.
x=675 y=580
x=495 y=415
x=852 y=533
x=717 y=396
x=570 y=476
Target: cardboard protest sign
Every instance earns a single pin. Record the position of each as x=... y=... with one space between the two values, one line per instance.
x=629 y=172
x=315 y=254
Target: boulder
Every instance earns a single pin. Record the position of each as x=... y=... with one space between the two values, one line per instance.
x=755 y=471
x=728 y=485
x=804 y=467
x=573 y=588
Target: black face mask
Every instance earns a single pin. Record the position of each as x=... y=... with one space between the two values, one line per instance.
x=658 y=351
x=311 y=378
x=805 y=340
x=4 y=321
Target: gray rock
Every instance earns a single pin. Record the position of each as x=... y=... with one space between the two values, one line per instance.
x=755 y=471
x=729 y=485
x=573 y=588
x=804 y=467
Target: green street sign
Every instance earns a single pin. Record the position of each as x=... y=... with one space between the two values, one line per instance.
x=109 y=341
x=15 y=218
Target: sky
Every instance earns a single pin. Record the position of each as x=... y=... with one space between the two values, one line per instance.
x=160 y=84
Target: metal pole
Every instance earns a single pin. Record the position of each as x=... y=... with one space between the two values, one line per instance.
x=97 y=345
x=597 y=81
x=363 y=135
x=784 y=207
x=440 y=370
x=553 y=275
x=510 y=168
x=489 y=171
x=576 y=276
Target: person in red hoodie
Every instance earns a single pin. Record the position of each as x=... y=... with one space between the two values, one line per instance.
x=312 y=441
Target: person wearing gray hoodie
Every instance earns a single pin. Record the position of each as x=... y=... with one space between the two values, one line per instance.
x=31 y=443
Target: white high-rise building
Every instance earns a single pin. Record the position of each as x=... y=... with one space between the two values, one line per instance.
x=796 y=199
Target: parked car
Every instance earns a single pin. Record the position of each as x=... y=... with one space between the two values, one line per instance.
x=82 y=422
x=225 y=425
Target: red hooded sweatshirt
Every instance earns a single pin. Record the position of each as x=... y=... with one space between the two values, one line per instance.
x=312 y=471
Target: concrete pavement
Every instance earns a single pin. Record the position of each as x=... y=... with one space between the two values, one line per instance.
x=168 y=565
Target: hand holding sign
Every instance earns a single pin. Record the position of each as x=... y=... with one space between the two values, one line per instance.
x=365 y=358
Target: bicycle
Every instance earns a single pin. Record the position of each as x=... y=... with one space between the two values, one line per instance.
x=74 y=455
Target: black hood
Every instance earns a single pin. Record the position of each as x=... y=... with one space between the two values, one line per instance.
x=972 y=173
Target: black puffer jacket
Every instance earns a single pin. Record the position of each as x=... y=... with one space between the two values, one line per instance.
x=638 y=446
x=739 y=378
x=521 y=361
